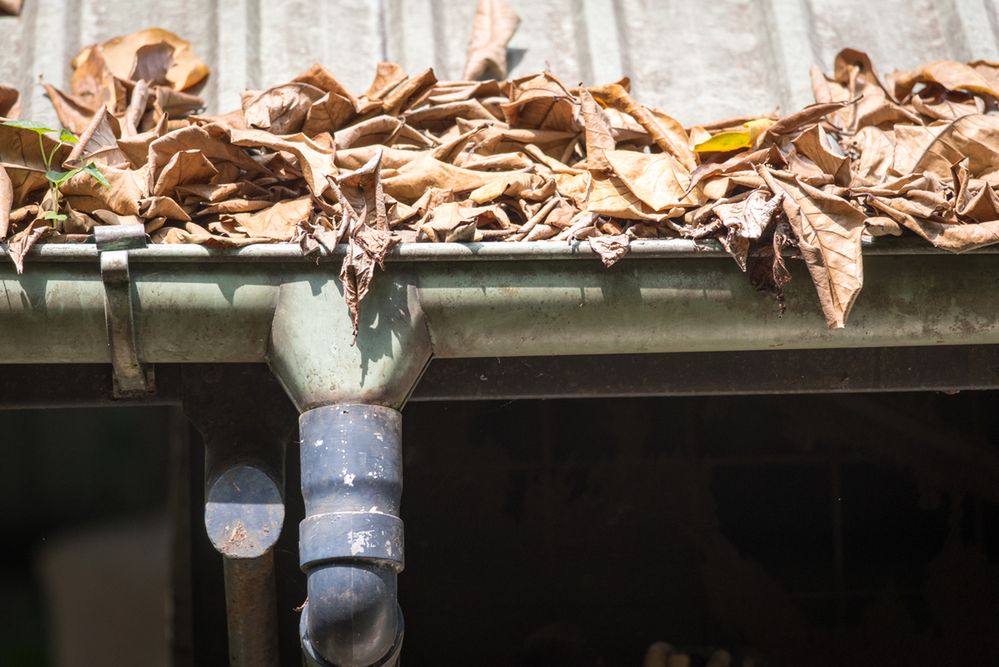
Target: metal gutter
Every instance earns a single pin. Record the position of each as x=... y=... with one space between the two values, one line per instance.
x=187 y=304
x=194 y=304
x=429 y=252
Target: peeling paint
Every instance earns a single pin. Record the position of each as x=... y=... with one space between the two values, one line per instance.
x=359 y=541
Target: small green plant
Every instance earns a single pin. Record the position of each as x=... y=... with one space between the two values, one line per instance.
x=57 y=178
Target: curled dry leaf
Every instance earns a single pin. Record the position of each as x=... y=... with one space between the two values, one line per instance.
x=598 y=132
x=952 y=237
x=980 y=78
x=828 y=229
x=276 y=222
x=610 y=248
x=658 y=180
x=494 y=24
x=25 y=240
x=10 y=102
x=746 y=220
x=281 y=109
x=6 y=202
x=119 y=56
x=667 y=134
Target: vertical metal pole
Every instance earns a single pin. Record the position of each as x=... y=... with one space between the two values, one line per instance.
x=246 y=420
x=243 y=516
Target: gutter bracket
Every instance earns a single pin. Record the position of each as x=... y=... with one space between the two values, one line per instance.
x=114 y=242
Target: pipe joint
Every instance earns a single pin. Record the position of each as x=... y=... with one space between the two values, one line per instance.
x=351 y=540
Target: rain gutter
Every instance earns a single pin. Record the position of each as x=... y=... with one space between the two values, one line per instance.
x=198 y=305
x=76 y=304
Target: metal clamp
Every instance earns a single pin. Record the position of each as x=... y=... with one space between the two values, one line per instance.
x=113 y=244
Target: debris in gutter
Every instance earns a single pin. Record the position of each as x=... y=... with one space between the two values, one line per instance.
x=415 y=159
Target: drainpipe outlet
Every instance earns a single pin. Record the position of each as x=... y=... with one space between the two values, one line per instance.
x=351 y=540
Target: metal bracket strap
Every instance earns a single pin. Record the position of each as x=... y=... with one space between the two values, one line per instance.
x=113 y=244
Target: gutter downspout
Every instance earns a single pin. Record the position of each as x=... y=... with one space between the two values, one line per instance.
x=351 y=540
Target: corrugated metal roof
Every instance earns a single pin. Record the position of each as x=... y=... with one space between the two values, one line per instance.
x=700 y=61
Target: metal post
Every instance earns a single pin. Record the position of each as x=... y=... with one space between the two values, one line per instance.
x=246 y=421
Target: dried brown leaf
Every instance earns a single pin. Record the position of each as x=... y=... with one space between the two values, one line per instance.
x=276 y=222
x=746 y=221
x=597 y=131
x=952 y=237
x=12 y=7
x=541 y=103
x=410 y=92
x=151 y=63
x=387 y=77
x=609 y=196
x=162 y=207
x=10 y=102
x=658 y=179
x=25 y=239
x=366 y=249
x=85 y=194
x=453 y=223
x=6 y=202
x=362 y=196
x=315 y=161
x=666 y=132
x=119 y=54
x=807 y=116
x=72 y=112
x=610 y=248
x=950 y=74
x=212 y=141
x=828 y=229
x=328 y=114
x=412 y=179
x=184 y=167
x=281 y=109
x=975 y=138
x=494 y=25
x=99 y=142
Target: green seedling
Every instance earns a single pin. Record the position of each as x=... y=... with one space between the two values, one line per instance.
x=57 y=178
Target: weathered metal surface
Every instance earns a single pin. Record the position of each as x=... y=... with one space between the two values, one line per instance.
x=351 y=540
x=292 y=315
x=131 y=378
x=251 y=602
x=699 y=61
x=946 y=368
x=936 y=368
x=315 y=355
x=244 y=512
x=452 y=252
x=246 y=422
x=652 y=305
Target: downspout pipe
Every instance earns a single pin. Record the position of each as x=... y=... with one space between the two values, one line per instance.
x=351 y=541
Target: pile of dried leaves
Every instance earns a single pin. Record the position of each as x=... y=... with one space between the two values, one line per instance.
x=416 y=159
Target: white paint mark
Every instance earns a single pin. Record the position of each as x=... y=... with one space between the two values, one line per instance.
x=348 y=479
x=319 y=443
x=359 y=541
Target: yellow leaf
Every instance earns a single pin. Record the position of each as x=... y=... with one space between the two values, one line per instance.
x=732 y=140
